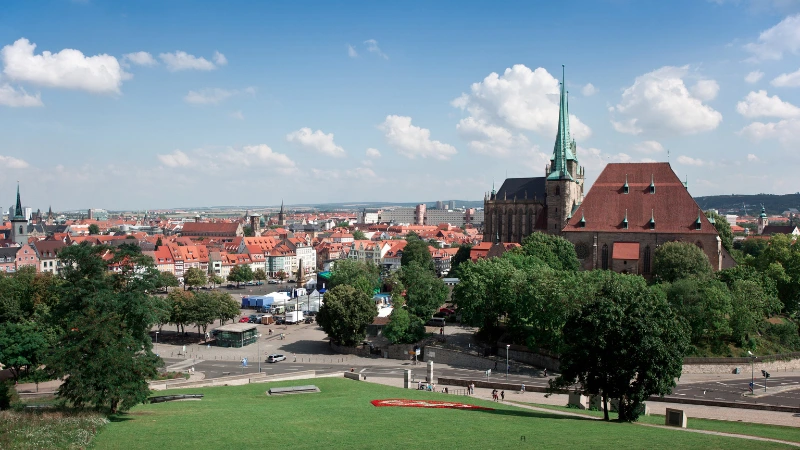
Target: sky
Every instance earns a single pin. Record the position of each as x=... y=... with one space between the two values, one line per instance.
x=152 y=104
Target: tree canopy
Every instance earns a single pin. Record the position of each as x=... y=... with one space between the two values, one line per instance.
x=676 y=260
x=416 y=250
x=554 y=251
x=346 y=313
x=241 y=273
x=94 y=229
x=362 y=275
x=723 y=229
x=194 y=276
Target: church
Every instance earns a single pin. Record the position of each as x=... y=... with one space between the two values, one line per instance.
x=630 y=210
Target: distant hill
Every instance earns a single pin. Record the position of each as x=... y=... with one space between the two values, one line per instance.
x=736 y=204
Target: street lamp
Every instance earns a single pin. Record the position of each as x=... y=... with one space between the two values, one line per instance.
x=258 y=341
x=752 y=372
x=507 y=346
x=156 y=343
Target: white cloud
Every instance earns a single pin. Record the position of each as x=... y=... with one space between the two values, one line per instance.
x=412 y=141
x=490 y=139
x=258 y=155
x=175 y=159
x=316 y=140
x=521 y=99
x=237 y=115
x=705 y=90
x=752 y=158
x=589 y=90
x=68 y=69
x=787 y=132
x=648 y=147
x=140 y=59
x=220 y=59
x=209 y=96
x=689 y=161
x=351 y=51
x=372 y=47
x=759 y=104
x=373 y=153
x=774 y=42
x=754 y=76
x=183 y=61
x=787 y=79
x=9 y=96
x=10 y=162
x=658 y=101
x=361 y=173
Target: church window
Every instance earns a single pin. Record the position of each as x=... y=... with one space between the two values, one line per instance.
x=20 y=229
x=646 y=262
x=558 y=190
x=605 y=257
x=581 y=250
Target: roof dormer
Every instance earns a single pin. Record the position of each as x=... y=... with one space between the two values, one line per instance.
x=625 y=221
x=652 y=184
x=652 y=222
x=582 y=222
x=698 y=224
x=625 y=187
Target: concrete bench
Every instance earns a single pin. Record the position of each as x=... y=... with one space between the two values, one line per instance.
x=355 y=376
x=307 y=389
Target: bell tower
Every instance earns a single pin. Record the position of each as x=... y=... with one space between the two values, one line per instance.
x=19 y=223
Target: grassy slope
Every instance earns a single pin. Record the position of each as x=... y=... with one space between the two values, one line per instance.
x=342 y=417
x=752 y=429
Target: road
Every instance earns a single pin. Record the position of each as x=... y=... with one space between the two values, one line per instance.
x=781 y=390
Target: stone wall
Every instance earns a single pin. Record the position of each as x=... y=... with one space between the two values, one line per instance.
x=773 y=367
x=399 y=351
x=358 y=351
x=455 y=358
x=522 y=354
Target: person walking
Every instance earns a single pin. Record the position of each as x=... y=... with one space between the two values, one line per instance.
x=502 y=395
x=545 y=372
x=522 y=389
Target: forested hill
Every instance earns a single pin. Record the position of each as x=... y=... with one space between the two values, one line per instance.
x=775 y=204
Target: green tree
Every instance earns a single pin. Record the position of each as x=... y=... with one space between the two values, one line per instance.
x=461 y=256
x=207 y=309
x=723 y=229
x=404 y=328
x=555 y=251
x=259 y=275
x=359 y=235
x=281 y=275
x=676 y=260
x=434 y=243
x=22 y=346
x=346 y=313
x=625 y=344
x=705 y=305
x=425 y=293
x=416 y=250
x=94 y=229
x=228 y=307
x=241 y=273
x=248 y=231
x=159 y=243
x=194 y=276
x=484 y=291
x=216 y=279
x=182 y=307
x=362 y=275
x=751 y=305
x=167 y=280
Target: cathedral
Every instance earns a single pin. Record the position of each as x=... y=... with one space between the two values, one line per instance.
x=525 y=205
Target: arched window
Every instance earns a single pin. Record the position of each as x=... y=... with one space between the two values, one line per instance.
x=646 y=260
x=510 y=226
x=558 y=190
x=20 y=229
x=605 y=256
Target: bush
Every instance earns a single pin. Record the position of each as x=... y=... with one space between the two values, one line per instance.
x=8 y=395
x=784 y=334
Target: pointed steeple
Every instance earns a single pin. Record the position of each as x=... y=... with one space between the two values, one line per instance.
x=562 y=150
x=281 y=206
x=18 y=214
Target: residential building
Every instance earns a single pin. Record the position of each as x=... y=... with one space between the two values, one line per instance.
x=47 y=252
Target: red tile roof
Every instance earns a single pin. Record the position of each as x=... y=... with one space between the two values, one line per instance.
x=672 y=207
x=625 y=250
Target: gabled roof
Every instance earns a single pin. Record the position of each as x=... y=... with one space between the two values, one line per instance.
x=210 y=227
x=671 y=206
x=520 y=187
x=779 y=229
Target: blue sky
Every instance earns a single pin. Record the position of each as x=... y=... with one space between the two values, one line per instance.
x=163 y=104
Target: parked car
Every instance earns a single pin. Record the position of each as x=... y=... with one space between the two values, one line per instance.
x=259 y=283
x=292 y=281
x=279 y=320
x=310 y=313
x=275 y=358
x=244 y=320
x=272 y=282
x=309 y=319
x=447 y=311
x=230 y=286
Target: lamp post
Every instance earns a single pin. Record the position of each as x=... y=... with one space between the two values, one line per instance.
x=156 y=343
x=507 y=347
x=258 y=340
x=752 y=372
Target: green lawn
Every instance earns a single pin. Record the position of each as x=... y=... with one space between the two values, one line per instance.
x=791 y=434
x=341 y=416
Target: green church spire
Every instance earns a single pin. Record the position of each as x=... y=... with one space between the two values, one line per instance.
x=562 y=151
x=18 y=213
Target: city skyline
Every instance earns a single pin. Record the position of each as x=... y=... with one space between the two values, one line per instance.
x=161 y=105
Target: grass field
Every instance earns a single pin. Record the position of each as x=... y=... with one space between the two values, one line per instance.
x=48 y=430
x=341 y=416
x=791 y=434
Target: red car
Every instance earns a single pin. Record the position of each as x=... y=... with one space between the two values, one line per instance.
x=244 y=320
x=447 y=311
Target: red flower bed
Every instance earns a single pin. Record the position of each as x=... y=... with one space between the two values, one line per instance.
x=405 y=403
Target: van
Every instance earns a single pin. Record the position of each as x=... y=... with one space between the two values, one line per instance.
x=436 y=322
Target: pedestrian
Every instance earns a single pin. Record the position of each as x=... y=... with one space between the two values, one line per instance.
x=545 y=372
x=502 y=395
x=441 y=330
x=495 y=365
x=446 y=391
x=522 y=389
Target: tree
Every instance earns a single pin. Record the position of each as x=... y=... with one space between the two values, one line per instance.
x=705 y=305
x=462 y=255
x=207 y=309
x=425 y=293
x=94 y=229
x=194 y=276
x=555 y=251
x=105 y=353
x=345 y=314
x=626 y=344
x=416 y=250
x=403 y=328
x=259 y=275
x=248 y=231
x=228 y=307
x=241 y=273
x=676 y=260
x=359 y=235
x=362 y=275
x=182 y=307
x=281 y=275
x=723 y=229
x=22 y=346
x=167 y=280
x=159 y=243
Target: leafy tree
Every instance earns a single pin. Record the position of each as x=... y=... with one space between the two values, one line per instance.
x=159 y=243
x=167 y=280
x=94 y=229
x=404 y=328
x=228 y=307
x=425 y=293
x=626 y=344
x=22 y=346
x=207 y=309
x=676 y=260
x=461 y=256
x=706 y=307
x=259 y=275
x=555 y=251
x=162 y=307
x=343 y=224
x=281 y=275
x=248 y=231
x=241 y=273
x=416 y=250
x=723 y=229
x=750 y=306
x=194 y=276
x=484 y=291
x=361 y=275
x=359 y=235
x=345 y=314
x=182 y=305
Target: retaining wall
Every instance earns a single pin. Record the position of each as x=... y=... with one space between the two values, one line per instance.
x=523 y=354
x=358 y=351
x=459 y=359
x=743 y=366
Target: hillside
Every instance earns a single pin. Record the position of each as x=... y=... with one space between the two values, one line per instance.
x=736 y=204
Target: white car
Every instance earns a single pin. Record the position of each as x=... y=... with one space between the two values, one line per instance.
x=275 y=358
